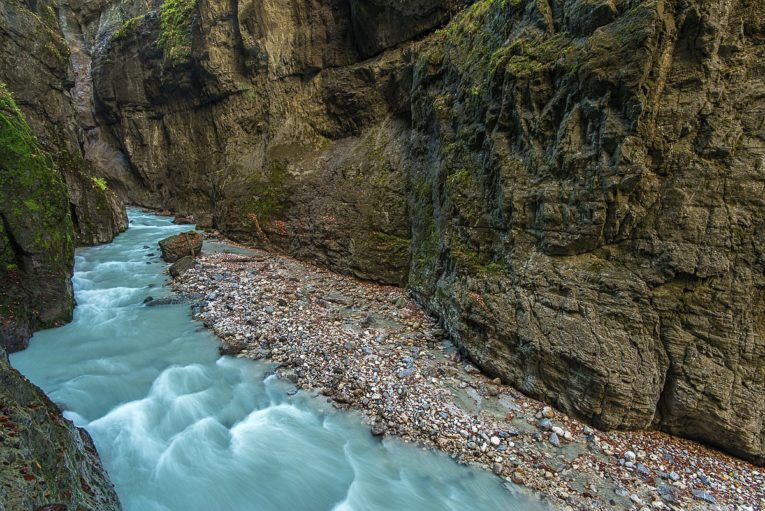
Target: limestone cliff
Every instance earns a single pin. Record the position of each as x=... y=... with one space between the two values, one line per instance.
x=36 y=235
x=49 y=201
x=588 y=209
x=46 y=460
x=36 y=67
x=573 y=186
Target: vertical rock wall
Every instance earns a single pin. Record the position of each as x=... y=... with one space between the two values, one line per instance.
x=588 y=208
x=573 y=186
x=48 y=202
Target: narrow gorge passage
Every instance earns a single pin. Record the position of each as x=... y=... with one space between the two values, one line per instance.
x=180 y=428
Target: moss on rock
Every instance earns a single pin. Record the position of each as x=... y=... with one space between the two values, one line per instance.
x=175 y=20
x=36 y=241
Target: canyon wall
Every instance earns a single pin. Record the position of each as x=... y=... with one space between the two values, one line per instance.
x=588 y=208
x=573 y=186
x=50 y=200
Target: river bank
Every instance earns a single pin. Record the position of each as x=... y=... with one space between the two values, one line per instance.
x=371 y=348
x=178 y=427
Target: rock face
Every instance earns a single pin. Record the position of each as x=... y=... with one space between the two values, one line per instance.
x=49 y=201
x=186 y=244
x=573 y=186
x=273 y=122
x=36 y=236
x=35 y=66
x=588 y=215
x=48 y=461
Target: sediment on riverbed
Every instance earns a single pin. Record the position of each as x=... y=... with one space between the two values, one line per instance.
x=371 y=348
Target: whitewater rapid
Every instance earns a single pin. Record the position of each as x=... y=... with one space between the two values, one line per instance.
x=180 y=428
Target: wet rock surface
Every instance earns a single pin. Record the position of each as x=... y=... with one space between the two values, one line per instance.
x=371 y=348
x=45 y=462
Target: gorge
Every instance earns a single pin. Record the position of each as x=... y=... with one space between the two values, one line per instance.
x=178 y=427
x=573 y=188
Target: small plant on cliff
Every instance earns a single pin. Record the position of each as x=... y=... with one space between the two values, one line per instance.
x=100 y=183
x=127 y=27
x=175 y=20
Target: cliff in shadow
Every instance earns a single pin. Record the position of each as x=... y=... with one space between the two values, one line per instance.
x=50 y=200
x=573 y=186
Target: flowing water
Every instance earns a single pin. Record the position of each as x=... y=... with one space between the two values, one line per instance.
x=181 y=428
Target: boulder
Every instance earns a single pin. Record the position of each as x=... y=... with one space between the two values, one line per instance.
x=180 y=267
x=181 y=245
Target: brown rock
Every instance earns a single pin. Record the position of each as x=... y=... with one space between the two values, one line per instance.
x=182 y=265
x=181 y=245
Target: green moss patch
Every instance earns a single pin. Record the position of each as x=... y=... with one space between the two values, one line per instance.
x=268 y=193
x=176 y=18
x=34 y=197
x=128 y=27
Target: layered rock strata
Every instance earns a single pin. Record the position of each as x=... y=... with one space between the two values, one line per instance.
x=572 y=186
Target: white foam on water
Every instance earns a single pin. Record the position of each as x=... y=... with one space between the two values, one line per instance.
x=181 y=429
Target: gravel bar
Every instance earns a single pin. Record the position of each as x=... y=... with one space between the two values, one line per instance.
x=371 y=348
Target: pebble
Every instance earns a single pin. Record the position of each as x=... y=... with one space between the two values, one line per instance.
x=404 y=379
x=704 y=495
x=405 y=373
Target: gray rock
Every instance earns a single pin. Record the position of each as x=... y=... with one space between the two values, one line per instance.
x=704 y=495
x=405 y=373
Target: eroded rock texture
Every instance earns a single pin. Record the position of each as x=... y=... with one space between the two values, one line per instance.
x=36 y=68
x=48 y=202
x=48 y=463
x=273 y=126
x=36 y=236
x=574 y=186
x=588 y=216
